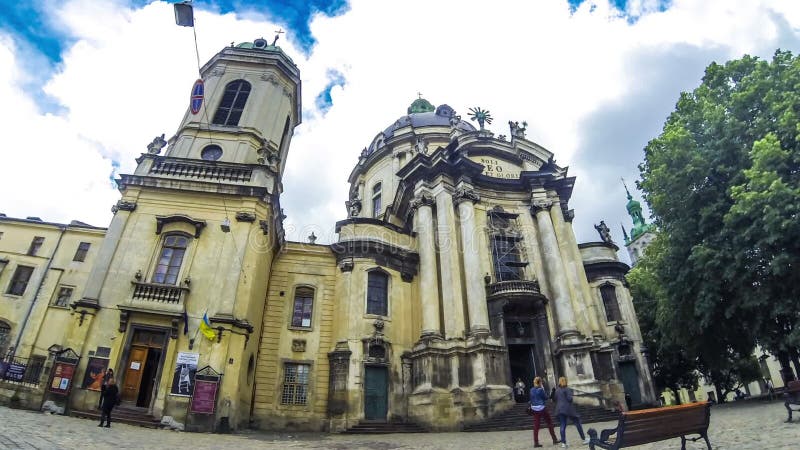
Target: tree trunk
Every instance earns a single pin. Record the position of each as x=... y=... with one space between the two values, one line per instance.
x=786 y=370
x=720 y=395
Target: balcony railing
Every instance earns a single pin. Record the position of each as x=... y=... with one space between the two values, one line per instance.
x=513 y=288
x=205 y=171
x=158 y=292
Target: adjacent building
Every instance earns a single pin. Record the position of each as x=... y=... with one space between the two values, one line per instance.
x=456 y=271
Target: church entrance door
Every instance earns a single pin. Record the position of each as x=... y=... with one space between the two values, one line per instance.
x=375 y=393
x=630 y=380
x=143 y=367
x=521 y=358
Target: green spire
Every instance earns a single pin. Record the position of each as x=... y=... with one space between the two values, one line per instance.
x=634 y=208
x=420 y=105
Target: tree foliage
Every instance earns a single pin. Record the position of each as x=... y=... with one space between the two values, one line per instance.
x=723 y=183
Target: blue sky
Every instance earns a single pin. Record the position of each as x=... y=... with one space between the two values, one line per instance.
x=594 y=79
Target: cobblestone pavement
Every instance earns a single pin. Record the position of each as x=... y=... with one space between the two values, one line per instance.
x=746 y=425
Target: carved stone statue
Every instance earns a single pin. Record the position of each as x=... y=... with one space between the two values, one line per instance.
x=605 y=233
x=353 y=207
x=421 y=146
x=517 y=130
x=158 y=143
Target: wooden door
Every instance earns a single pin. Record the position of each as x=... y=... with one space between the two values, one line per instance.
x=133 y=373
x=630 y=381
x=375 y=395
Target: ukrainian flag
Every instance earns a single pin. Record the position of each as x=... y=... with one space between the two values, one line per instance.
x=205 y=328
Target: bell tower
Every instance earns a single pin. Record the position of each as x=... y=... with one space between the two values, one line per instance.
x=194 y=235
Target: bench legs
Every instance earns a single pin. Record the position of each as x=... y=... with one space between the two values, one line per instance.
x=704 y=436
x=789 y=410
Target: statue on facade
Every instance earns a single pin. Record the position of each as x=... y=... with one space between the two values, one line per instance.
x=482 y=116
x=517 y=130
x=421 y=146
x=158 y=143
x=605 y=233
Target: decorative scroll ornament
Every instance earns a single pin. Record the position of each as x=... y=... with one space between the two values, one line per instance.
x=465 y=194
x=421 y=200
x=541 y=205
x=123 y=205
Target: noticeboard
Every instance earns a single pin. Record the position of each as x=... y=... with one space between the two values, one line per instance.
x=204 y=397
x=61 y=382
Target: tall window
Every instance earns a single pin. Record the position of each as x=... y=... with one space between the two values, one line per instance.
x=376 y=200
x=377 y=293
x=303 y=307
x=507 y=265
x=64 y=295
x=609 y=294
x=36 y=244
x=19 y=282
x=295 y=384
x=5 y=338
x=232 y=104
x=83 y=249
x=170 y=260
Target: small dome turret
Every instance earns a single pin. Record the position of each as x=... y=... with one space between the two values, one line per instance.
x=420 y=105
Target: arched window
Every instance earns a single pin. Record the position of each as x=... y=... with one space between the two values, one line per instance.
x=609 y=294
x=376 y=200
x=377 y=293
x=5 y=338
x=303 y=307
x=233 y=100
x=170 y=259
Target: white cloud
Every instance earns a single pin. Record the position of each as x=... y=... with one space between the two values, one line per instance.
x=593 y=86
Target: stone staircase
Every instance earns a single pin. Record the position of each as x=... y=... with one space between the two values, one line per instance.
x=517 y=419
x=130 y=415
x=373 y=427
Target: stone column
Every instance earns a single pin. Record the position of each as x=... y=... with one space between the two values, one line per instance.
x=476 y=292
x=565 y=316
x=452 y=291
x=428 y=286
x=102 y=262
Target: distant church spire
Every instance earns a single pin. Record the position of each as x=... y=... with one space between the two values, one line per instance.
x=624 y=233
x=640 y=226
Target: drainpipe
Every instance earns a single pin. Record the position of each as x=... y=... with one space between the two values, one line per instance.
x=63 y=229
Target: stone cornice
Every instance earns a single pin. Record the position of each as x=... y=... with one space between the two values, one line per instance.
x=371 y=221
x=613 y=269
x=404 y=261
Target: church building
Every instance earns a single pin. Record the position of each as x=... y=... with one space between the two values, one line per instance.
x=456 y=271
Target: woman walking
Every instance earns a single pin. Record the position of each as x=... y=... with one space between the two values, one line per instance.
x=110 y=399
x=566 y=409
x=538 y=396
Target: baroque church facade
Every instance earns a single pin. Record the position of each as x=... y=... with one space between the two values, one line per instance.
x=456 y=271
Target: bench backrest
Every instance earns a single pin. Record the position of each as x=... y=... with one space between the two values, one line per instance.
x=793 y=386
x=650 y=425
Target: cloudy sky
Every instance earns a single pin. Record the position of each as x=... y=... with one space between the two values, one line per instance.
x=86 y=84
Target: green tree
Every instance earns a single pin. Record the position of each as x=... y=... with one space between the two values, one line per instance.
x=721 y=180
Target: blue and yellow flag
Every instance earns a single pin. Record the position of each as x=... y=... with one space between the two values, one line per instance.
x=205 y=328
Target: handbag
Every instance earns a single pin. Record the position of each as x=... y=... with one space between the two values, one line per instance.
x=529 y=409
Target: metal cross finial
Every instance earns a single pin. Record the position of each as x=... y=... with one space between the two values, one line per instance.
x=419 y=94
x=626 y=187
x=278 y=34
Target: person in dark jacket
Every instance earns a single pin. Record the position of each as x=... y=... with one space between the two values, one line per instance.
x=106 y=376
x=110 y=399
x=538 y=396
x=566 y=409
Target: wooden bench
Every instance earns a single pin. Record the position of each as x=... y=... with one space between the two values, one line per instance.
x=656 y=424
x=792 y=397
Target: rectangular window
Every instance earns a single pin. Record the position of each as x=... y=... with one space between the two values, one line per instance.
x=609 y=294
x=507 y=265
x=303 y=307
x=377 y=293
x=64 y=295
x=376 y=200
x=83 y=249
x=19 y=282
x=36 y=244
x=295 y=384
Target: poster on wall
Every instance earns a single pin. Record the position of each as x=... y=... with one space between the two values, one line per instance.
x=205 y=397
x=183 y=378
x=93 y=377
x=62 y=378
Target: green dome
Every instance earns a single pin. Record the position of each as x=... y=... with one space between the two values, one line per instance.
x=420 y=105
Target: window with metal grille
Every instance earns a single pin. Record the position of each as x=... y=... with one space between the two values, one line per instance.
x=36 y=244
x=507 y=264
x=64 y=295
x=377 y=293
x=303 y=307
x=376 y=200
x=295 y=384
x=232 y=105
x=169 y=261
x=19 y=282
x=83 y=249
x=609 y=294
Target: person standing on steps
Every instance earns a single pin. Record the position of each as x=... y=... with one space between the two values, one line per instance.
x=106 y=376
x=110 y=400
x=538 y=397
x=519 y=391
x=566 y=409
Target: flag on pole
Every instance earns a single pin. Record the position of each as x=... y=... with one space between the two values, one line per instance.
x=184 y=14
x=205 y=328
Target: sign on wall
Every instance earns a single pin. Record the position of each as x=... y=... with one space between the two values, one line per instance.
x=204 y=397
x=497 y=168
x=62 y=378
x=95 y=370
x=185 y=369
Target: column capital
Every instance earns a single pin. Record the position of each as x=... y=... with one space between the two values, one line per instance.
x=541 y=205
x=463 y=194
x=422 y=199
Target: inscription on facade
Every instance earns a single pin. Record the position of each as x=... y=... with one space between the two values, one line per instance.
x=498 y=168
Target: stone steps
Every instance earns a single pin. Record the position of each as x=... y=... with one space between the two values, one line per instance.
x=517 y=419
x=122 y=414
x=370 y=427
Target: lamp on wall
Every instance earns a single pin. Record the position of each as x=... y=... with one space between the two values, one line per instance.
x=226 y=225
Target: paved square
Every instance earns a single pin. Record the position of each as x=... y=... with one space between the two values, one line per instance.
x=748 y=425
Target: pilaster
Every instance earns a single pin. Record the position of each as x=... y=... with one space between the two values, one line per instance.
x=465 y=199
x=429 y=287
x=452 y=291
